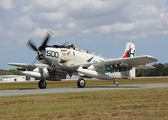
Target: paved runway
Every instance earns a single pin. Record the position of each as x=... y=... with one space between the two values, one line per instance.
x=76 y=89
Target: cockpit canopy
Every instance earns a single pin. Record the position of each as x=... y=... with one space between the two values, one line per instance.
x=70 y=46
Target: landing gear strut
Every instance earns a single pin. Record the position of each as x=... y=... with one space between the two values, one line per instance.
x=115 y=81
x=81 y=83
x=42 y=84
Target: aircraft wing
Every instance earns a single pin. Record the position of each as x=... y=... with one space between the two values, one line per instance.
x=28 y=66
x=137 y=62
x=131 y=61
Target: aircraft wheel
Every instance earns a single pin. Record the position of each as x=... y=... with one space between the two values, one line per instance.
x=42 y=84
x=81 y=83
x=116 y=82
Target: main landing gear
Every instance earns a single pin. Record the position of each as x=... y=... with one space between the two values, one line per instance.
x=81 y=83
x=115 y=81
x=42 y=84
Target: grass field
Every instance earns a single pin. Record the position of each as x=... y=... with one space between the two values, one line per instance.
x=73 y=83
x=142 y=104
x=136 y=104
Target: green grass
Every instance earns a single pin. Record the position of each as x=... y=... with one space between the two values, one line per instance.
x=139 y=104
x=73 y=83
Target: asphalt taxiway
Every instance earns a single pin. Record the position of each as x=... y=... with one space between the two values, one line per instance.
x=76 y=89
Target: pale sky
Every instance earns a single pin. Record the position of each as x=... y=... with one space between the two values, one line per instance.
x=102 y=26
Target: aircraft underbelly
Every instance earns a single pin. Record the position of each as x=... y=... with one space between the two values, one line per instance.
x=119 y=74
x=122 y=74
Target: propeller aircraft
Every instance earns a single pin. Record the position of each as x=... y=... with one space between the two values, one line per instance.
x=70 y=59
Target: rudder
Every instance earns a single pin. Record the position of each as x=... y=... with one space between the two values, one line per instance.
x=129 y=50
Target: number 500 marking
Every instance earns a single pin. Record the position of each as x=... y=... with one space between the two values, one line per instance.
x=52 y=54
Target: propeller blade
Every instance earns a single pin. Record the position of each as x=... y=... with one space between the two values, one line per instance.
x=32 y=45
x=42 y=47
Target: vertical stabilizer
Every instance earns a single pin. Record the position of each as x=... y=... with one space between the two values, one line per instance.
x=129 y=50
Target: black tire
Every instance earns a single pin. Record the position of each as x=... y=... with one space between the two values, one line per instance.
x=116 y=83
x=81 y=83
x=42 y=84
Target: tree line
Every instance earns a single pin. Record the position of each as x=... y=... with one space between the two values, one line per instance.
x=10 y=72
x=160 y=70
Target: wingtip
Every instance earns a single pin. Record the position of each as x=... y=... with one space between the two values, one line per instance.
x=151 y=57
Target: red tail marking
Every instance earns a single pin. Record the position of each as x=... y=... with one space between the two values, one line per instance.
x=126 y=54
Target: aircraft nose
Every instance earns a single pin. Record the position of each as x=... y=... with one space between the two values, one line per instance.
x=40 y=55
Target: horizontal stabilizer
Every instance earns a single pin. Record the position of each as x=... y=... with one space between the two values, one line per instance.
x=143 y=67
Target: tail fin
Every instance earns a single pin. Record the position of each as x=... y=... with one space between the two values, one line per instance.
x=129 y=50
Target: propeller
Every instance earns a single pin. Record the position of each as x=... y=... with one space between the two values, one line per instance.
x=33 y=46
x=41 y=50
x=42 y=47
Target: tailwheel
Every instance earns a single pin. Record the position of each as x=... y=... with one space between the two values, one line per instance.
x=42 y=84
x=81 y=83
x=115 y=81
